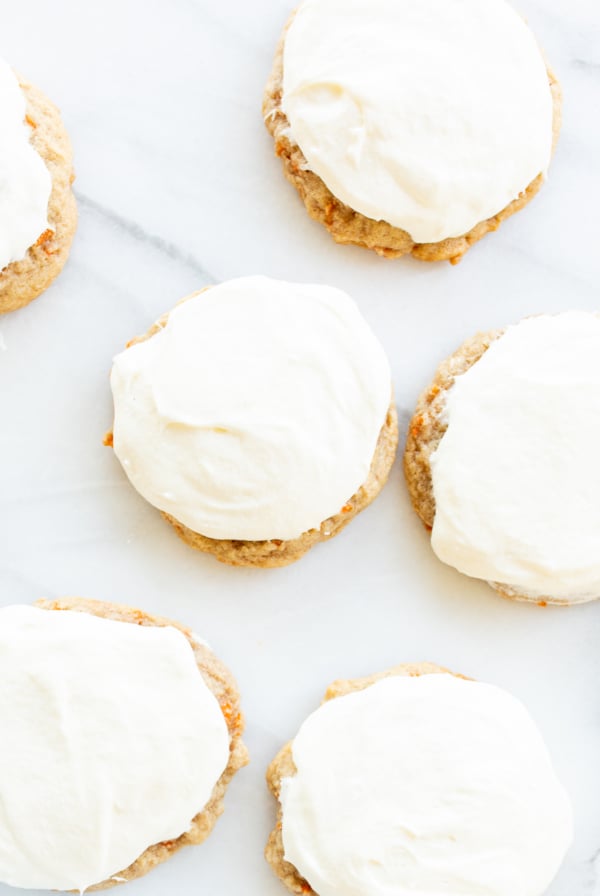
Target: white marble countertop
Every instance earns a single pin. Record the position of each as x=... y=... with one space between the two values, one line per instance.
x=178 y=187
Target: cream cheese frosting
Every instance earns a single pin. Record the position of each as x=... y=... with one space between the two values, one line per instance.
x=255 y=413
x=111 y=742
x=429 y=785
x=431 y=115
x=515 y=477
x=25 y=182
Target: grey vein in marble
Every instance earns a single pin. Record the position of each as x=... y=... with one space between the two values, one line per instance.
x=137 y=232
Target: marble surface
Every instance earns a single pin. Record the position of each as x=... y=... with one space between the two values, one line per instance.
x=178 y=187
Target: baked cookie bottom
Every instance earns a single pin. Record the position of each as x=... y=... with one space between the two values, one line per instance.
x=24 y=280
x=349 y=227
x=276 y=552
x=426 y=430
x=283 y=767
x=222 y=684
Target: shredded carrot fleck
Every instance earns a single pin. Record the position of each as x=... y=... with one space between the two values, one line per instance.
x=108 y=440
x=306 y=888
x=542 y=603
x=232 y=721
x=346 y=508
x=30 y=121
x=415 y=428
x=44 y=237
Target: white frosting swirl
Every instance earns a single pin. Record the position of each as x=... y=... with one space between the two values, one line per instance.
x=25 y=182
x=111 y=742
x=431 y=115
x=515 y=478
x=255 y=413
x=423 y=786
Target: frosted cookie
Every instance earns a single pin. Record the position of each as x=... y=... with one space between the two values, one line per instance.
x=501 y=459
x=38 y=214
x=258 y=417
x=417 y=781
x=412 y=127
x=120 y=734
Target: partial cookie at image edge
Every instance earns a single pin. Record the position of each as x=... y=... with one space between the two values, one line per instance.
x=425 y=432
x=224 y=688
x=24 y=280
x=283 y=766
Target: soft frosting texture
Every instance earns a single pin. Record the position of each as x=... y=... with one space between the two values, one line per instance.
x=254 y=414
x=433 y=786
x=516 y=479
x=431 y=115
x=25 y=182
x=111 y=742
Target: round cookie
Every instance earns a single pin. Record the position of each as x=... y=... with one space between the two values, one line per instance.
x=281 y=551
x=420 y=845
x=430 y=423
x=221 y=685
x=22 y=281
x=347 y=225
